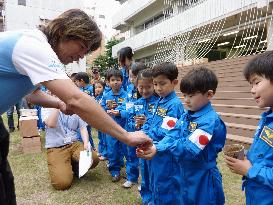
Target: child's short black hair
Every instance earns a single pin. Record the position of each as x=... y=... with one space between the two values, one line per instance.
x=73 y=75
x=95 y=70
x=137 y=67
x=101 y=82
x=113 y=72
x=82 y=76
x=124 y=53
x=261 y=65
x=167 y=69
x=147 y=73
x=199 y=79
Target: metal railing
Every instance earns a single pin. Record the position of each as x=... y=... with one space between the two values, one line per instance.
x=199 y=15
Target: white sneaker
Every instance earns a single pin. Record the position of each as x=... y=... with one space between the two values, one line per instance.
x=128 y=184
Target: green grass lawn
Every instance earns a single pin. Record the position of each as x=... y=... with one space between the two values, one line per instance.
x=95 y=188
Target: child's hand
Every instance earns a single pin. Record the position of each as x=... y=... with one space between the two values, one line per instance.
x=64 y=108
x=140 y=120
x=238 y=166
x=85 y=146
x=138 y=138
x=146 y=152
x=113 y=112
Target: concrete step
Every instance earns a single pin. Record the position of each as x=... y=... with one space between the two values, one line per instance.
x=230 y=74
x=231 y=78
x=233 y=88
x=240 y=129
x=240 y=64
x=240 y=118
x=237 y=139
x=224 y=94
x=234 y=101
x=240 y=59
x=217 y=69
x=233 y=94
x=231 y=101
x=238 y=109
x=234 y=76
x=234 y=83
x=231 y=61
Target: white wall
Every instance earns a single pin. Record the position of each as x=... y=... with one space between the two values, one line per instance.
x=28 y=17
x=22 y=17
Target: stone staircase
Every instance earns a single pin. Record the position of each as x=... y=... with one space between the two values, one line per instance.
x=233 y=100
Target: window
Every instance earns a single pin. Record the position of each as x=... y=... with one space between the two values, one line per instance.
x=158 y=18
x=148 y=24
x=22 y=2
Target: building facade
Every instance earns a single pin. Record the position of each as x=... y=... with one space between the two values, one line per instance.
x=183 y=31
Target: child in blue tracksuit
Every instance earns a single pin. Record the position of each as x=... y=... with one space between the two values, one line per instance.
x=102 y=148
x=163 y=171
x=196 y=140
x=257 y=167
x=110 y=101
x=106 y=87
x=132 y=162
x=125 y=59
x=40 y=123
x=81 y=79
x=142 y=110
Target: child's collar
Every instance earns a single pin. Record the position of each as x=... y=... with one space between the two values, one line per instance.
x=168 y=97
x=119 y=92
x=205 y=109
x=86 y=86
x=151 y=98
x=267 y=113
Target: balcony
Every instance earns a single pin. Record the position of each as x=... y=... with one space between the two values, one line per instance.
x=128 y=10
x=121 y=1
x=208 y=11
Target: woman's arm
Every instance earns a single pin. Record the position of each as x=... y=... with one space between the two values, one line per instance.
x=91 y=112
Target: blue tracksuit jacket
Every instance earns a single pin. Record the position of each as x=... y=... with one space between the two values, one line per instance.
x=102 y=147
x=114 y=147
x=145 y=107
x=195 y=142
x=164 y=182
x=259 y=179
x=132 y=161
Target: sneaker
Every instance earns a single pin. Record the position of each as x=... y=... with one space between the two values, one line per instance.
x=115 y=178
x=12 y=129
x=128 y=184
